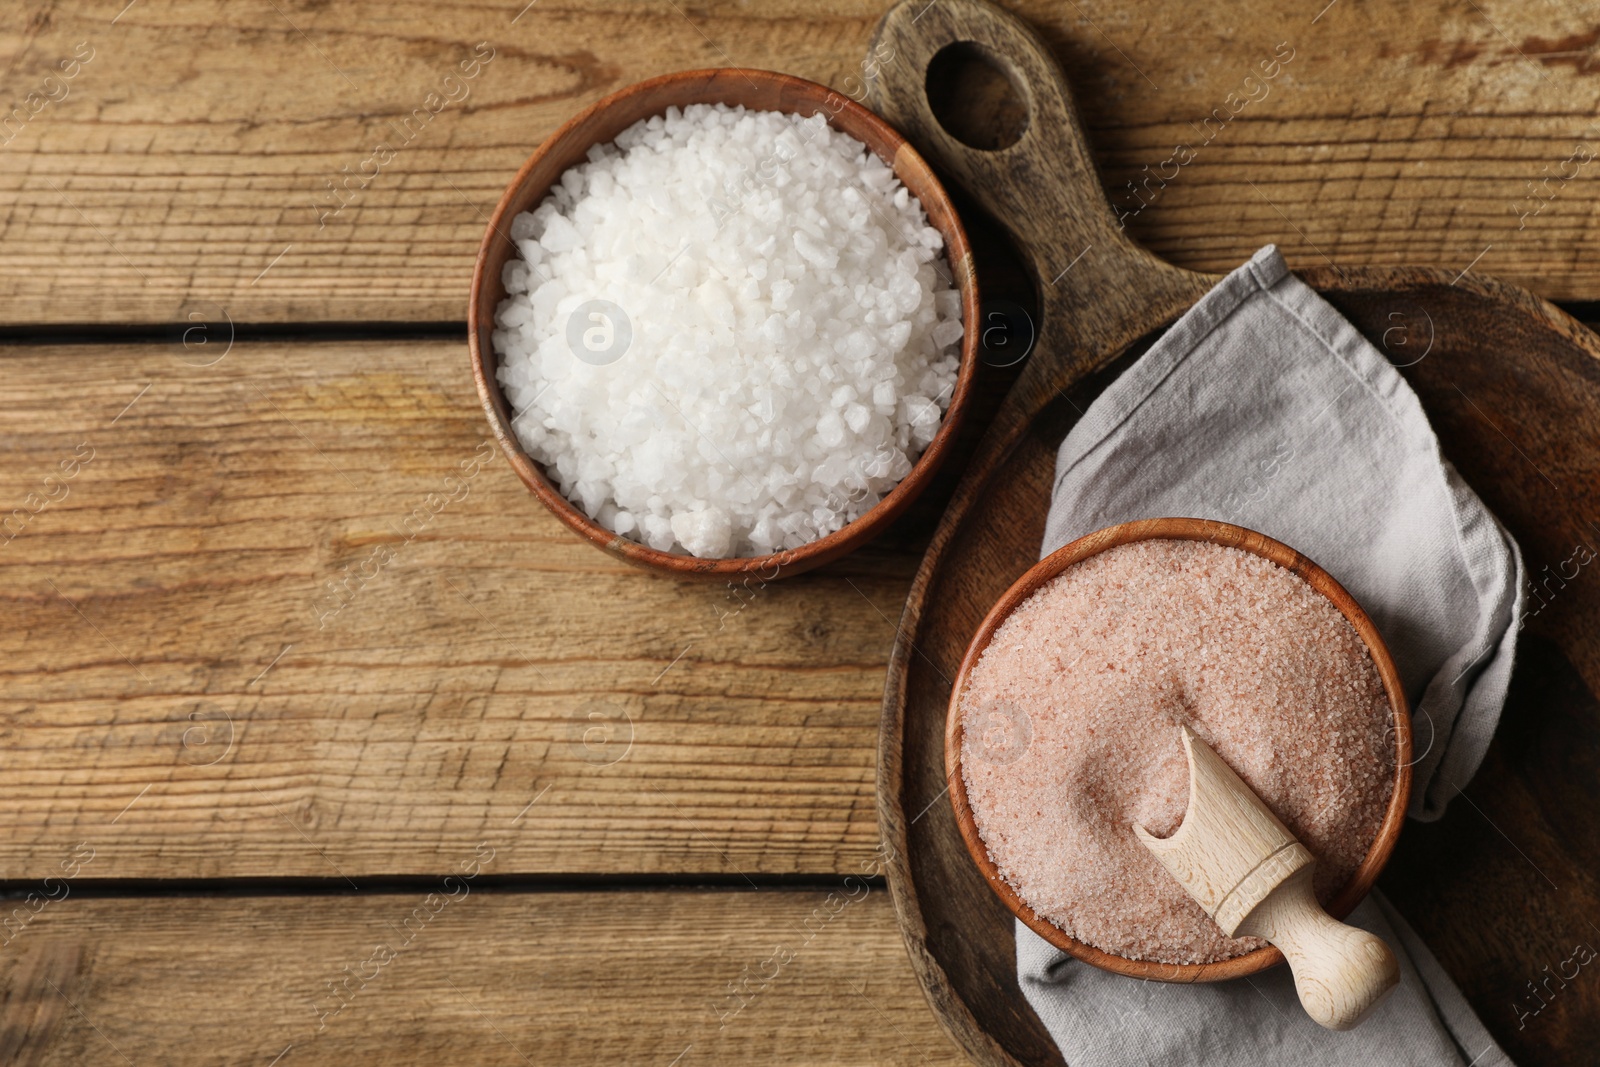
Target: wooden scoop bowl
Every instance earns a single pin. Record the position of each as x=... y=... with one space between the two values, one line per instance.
x=1250 y=874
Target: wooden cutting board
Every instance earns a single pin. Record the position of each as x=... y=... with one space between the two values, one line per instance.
x=1512 y=385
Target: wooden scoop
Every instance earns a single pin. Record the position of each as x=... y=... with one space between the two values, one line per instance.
x=1248 y=872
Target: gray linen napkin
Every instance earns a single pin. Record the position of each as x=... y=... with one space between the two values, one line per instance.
x=1263 y=407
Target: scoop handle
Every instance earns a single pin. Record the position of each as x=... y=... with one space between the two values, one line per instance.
x=1098 y=290
x=1340 y=972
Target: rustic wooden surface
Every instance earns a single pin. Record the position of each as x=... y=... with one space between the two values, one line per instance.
x=497 y=677
x=487 y=978
x=171 y=700
x=187 y=162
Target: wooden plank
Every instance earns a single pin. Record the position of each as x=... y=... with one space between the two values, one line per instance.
x=685 y=978
x=1503 y=888
x=185 y=168
x=182 y=687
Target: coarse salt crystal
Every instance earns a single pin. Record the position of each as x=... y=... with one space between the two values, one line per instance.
x=711 y=301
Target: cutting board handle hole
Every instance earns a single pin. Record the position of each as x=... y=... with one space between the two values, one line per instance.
x=974 y=96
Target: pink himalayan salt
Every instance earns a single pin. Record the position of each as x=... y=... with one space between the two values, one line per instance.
x=1070 y=734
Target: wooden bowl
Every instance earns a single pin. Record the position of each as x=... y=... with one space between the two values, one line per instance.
x=1218 y=533
x=600 y=123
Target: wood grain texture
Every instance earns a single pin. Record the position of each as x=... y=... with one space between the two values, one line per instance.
x=1245 y=868
x=1511 y=384
x=183 y=689
x=1504 y=888
x=186 y=164
x=1341 y=972
x=654 y=978
x=450 y=701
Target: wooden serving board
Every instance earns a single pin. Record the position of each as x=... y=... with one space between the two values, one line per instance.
x=1501 y=887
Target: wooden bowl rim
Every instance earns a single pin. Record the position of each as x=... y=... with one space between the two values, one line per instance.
x=680 y=89
x=1228 y=535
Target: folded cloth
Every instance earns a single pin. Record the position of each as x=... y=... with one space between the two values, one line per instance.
x=1100 y=1019
x=1263 y=407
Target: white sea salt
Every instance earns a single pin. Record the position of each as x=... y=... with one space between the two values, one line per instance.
x=730 y=332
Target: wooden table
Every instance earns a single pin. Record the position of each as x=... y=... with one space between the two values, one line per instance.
x=505 y=801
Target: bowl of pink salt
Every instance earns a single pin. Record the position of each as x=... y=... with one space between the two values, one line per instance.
x=1061 y=738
